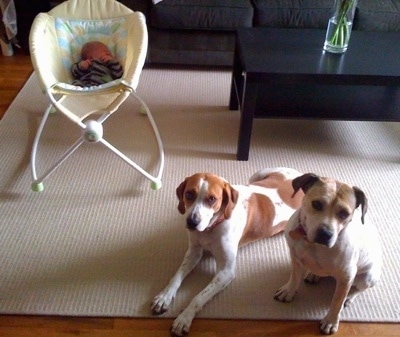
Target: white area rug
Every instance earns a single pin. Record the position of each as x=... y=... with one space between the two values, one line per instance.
x=99 y=242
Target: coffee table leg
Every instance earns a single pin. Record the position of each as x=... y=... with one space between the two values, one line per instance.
x=235 y=82
x=246 y=120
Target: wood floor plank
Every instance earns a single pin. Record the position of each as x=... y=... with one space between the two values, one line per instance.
x=14 y=72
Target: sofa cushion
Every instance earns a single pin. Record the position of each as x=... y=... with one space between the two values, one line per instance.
x=202 y=14
x=180 y=46
x=378 y=15
x=292 y=13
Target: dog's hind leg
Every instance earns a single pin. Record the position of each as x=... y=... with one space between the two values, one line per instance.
x=361 y=283
x=311 y=278
x=289 y=173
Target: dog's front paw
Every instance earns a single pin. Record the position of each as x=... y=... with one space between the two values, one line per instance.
x=161 y=302
x=329 y=326
x=285 y=293
x=181 y=325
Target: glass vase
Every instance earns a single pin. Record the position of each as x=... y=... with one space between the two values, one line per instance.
x=339 y=26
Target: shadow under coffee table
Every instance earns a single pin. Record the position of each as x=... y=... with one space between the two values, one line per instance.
x=284 y=73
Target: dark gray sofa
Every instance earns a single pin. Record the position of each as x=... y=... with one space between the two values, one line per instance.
x=202 y=32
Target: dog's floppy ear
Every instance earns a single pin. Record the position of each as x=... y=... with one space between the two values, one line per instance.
x=304 y=182
x=362 y=200
x=179 y=193
x=229 y=199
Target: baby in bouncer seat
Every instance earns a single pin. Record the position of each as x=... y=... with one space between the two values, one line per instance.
x=97 y=66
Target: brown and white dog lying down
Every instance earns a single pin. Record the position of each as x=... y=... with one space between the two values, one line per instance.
x=327 y=237
x=220 y=217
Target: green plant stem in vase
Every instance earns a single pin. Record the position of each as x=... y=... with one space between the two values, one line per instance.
x=339 y=26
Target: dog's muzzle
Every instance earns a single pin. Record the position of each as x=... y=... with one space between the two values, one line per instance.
x=193 y=220
x=323 y=236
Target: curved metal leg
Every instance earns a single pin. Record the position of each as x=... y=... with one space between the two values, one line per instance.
x=155 y=179
x=37 y=184
x=91 y=133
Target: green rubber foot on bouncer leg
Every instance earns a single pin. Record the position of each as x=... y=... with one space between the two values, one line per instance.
x=143 y=110
x=156 y=185
x=37 y=187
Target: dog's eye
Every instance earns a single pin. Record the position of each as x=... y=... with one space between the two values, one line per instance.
x=189 y=195
x=211 y=200
x=343 y=215
x=317 y=205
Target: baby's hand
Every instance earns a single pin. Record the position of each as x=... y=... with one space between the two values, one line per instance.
x=106 y=58
x=85 y=64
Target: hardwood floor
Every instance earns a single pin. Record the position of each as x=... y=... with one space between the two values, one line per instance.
x=14 y=71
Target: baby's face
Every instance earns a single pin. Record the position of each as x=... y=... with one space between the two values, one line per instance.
x=96 y=51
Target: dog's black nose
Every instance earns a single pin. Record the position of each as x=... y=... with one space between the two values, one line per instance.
x=324 y=236
x=192 y=221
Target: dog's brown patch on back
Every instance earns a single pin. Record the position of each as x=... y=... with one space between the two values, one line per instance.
x=261 y=213
x=284 y=188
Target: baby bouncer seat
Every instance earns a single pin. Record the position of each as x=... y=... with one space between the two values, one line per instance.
x=56 y=40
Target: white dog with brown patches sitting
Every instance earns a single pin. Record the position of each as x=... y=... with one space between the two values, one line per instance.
x=327 y=237
x=221 y=217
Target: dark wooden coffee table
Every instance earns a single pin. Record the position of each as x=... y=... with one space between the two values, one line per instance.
x=284 y=73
